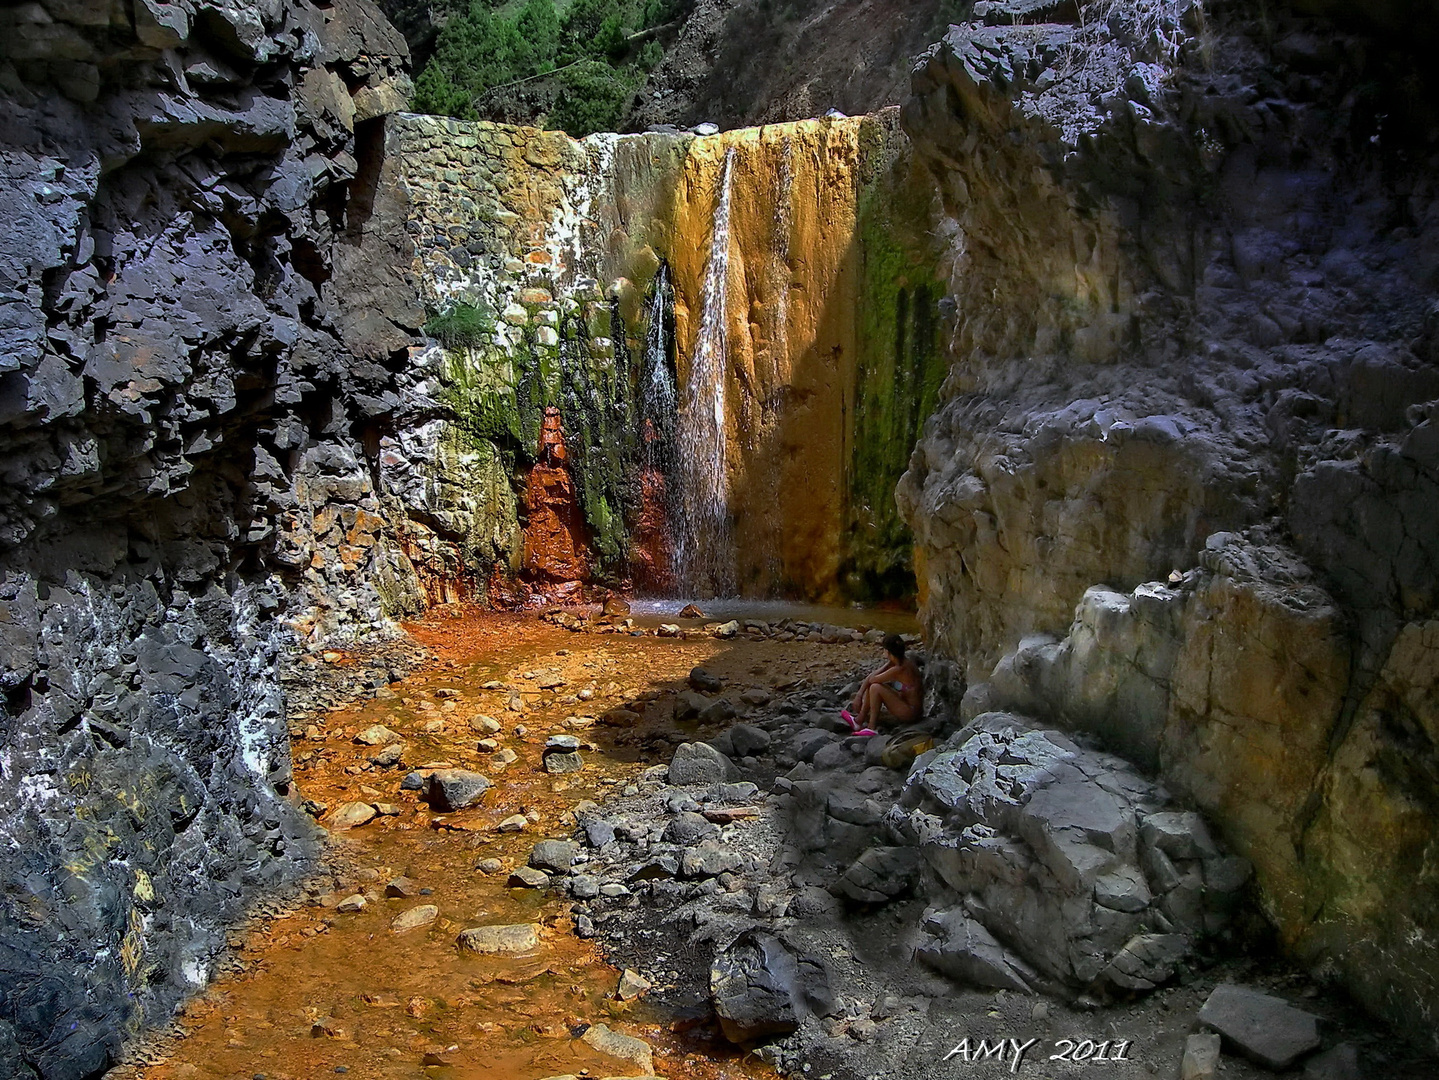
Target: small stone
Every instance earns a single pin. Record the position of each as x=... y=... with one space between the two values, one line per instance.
x=565 y=744
x=513 y=823
x=388 y=809
x=485 y=725
x=698 y=763
x=613 y=890
x=455 y=789
x=376 y=735
x=560 y=762
x=488 y=940
x=390 y=755
x=489 y=866
x=413 y=781
x=1201 y=1057
x=1340 y=1062
x=704 y=681
x=632 y=985
x=584 y=887
x=401 y=887
x=625 y=1047
x=487 y=746
x=727 y=630
x=504 y=758
x=415 y=918
x=599 y=833
x=351 y=904
x=527 y=877
x=350 y=815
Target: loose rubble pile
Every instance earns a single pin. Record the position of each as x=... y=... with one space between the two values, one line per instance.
x=780 y=875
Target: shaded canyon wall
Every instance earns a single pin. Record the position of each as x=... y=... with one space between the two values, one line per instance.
x=1182 y=489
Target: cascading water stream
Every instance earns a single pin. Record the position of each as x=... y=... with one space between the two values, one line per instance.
x=658 y=398
x=703 y=551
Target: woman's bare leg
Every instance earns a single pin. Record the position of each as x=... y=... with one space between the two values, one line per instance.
x=883 y=696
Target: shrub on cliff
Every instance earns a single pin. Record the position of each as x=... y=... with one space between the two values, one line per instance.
x=575 y=72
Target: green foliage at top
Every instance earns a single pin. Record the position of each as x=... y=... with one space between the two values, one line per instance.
x=575 y=71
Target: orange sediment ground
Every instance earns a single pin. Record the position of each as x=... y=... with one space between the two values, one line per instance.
x=324 y=992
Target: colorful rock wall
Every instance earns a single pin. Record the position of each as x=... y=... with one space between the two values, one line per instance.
x=540 y=260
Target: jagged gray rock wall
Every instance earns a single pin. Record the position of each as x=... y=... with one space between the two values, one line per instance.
x=1195 y=258
x=185 y=189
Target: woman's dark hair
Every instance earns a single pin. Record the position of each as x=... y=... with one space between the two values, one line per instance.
x=894 y=645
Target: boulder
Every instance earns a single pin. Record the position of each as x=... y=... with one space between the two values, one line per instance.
x=556 y=856
x=761 y=987
x=350 y=815
x=455 y=789
x=964 y=950
x=1259 y=1026
x=748 y=739
x=880 y=874
x=698 y=763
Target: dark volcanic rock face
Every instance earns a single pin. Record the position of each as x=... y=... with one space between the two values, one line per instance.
x=174 y=178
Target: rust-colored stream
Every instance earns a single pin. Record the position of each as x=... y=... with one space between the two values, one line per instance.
x=325 y=993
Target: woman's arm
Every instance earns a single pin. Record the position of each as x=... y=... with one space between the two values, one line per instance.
x=879 y=676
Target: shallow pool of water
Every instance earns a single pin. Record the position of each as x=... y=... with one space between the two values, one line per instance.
x=649 y=612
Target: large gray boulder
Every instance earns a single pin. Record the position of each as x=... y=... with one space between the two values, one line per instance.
x=761 y=987
x=1263 y=1028
x=1067 y=856
x=963 y=949
x=699 y=763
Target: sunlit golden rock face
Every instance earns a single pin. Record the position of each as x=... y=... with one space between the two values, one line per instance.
x=828 y=317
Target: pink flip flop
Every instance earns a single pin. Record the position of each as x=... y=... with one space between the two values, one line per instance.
x=848 y=718
x=865 y=732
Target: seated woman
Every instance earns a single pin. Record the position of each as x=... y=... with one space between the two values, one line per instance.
x=897 y=687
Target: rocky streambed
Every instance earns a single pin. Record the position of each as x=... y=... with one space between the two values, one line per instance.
x=589 y=849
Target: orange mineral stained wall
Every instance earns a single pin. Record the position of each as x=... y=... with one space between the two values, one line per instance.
x=558 y=243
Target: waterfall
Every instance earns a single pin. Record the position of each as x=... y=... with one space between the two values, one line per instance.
x=657 y=384
x=703 y=551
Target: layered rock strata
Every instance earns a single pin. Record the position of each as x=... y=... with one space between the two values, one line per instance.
x=1189 y=431
x=174 y=386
